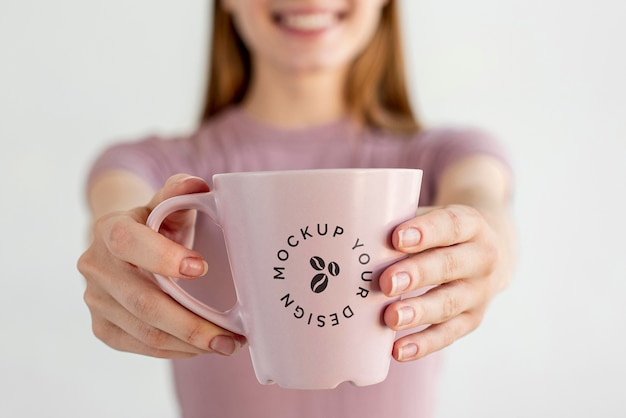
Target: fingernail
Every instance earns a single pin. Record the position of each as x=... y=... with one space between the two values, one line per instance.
x=225 y=345
x=187 y=178
x=409 y=237
x=407 y=352
x=193 y=267
x=406 y=315
x=400 y=282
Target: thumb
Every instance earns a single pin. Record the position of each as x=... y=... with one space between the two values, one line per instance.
x=176 y=185
x=179 y=226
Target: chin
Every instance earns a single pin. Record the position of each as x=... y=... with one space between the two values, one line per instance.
x=301 y=61
x=312 y=67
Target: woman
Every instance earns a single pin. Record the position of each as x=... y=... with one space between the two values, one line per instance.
x=289 y=81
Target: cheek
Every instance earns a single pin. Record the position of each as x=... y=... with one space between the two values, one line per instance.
x=359 y=34
x=246 y=27
x=251 y=21
x=367 y=23
x=355 y=36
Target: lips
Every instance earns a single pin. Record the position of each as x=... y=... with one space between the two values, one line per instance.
x=307 y=21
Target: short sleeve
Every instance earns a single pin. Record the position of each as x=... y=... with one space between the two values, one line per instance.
x=435 y=151
x=153 y=159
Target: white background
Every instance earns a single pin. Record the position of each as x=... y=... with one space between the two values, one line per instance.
x=546 y=76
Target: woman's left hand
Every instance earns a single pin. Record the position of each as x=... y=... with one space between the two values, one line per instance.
x=463 y=255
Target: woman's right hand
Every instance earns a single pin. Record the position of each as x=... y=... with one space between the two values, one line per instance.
x=129 y=311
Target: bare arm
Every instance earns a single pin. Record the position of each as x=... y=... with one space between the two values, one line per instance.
x=117 y=190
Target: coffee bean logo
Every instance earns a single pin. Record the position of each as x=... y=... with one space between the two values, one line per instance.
x=318 y=263
x=333 y=268
x=319 y=283
x=320 y=280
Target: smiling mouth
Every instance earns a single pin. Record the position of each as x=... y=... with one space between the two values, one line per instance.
x=312 y=21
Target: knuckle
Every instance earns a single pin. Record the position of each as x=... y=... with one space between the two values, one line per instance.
x=90 y=298
x=449 y=266
x=419 y=277
x=195 y=334
x=490 y=256
x=144 y=306
x=455 y=222
x=103 y=330
x=153 y=336
x=450 y=306
x=487 y=269
x=476 y=318
x=119 y=238
x=450 y=335
x=86 y=264
x=82 y=265
x=97 y=302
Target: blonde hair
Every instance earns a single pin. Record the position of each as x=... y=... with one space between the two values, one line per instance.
x=376 y=90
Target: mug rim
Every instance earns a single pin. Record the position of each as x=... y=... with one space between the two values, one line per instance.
x=316 y=171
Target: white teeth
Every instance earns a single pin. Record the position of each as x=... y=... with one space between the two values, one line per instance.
x=310 y=21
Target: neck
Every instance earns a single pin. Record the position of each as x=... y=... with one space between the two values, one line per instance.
x=295 y=100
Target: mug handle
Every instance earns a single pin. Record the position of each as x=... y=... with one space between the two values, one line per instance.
x=204 y=202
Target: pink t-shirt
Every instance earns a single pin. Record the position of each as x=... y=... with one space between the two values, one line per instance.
x=217 y=386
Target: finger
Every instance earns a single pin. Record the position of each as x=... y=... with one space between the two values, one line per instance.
x=117 y=338
x=138 y=294
x=105 y=308
x=115 y=325
x=177 y=185
x=433 y=267
x=140 y=246
x=437 y=228
x=150 y=305
x=438 y=305
x=435 y=337
x=179 y=225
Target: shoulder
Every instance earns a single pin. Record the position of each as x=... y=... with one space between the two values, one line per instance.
x=156 y=157
x=436 y=149
x=152 y=157
x=452 y=134
x=140 y=156
x=171 y=145
x=439 y=146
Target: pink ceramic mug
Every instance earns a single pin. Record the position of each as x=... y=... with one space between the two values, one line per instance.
x=306 y=249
